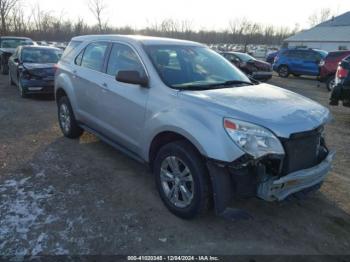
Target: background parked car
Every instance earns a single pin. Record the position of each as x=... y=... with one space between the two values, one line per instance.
x=329 y=65
x=32 y=69
x=341 y=91
x=257 y=69
x=271 y=57
x=8 y=45
x=299 y=62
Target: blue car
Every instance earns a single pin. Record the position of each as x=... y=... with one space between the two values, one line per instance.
x=298 y=62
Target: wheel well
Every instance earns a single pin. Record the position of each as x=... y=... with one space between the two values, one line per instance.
x=60 y=93
x=162 y=139
x=283 y=65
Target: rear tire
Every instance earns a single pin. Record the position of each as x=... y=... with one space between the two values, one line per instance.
x=4 y=68
x=184 y=189
x=283 y=71
x=66 y=119
x=330 y=83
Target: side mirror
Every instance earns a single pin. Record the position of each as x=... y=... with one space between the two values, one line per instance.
x=132 y=77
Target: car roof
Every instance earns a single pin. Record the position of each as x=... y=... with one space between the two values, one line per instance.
x=15 y=37
x=147 y=40
x=40 y=47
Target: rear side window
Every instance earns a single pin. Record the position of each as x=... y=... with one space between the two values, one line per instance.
x=94 y=56
x=69 y=50
x=122 y=58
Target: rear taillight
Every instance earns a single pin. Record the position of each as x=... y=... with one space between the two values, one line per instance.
x=342 y=72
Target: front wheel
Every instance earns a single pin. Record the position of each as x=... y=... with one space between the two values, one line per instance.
x=182 y=180
x=10 y=81
x=283 y=71
x=22 y=91
x=330 y=83
x=66 y=119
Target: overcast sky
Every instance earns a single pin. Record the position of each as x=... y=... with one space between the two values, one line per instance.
x=207 y=14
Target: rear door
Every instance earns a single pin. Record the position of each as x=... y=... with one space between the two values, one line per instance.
x=87 y=82
x=296 y=61
x=124 y=105
x=311 y=62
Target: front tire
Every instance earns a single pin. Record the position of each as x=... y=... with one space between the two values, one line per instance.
x=10 y=81
x=283 y=71
x=22 y=91
x=66 y=119
x=182 y=180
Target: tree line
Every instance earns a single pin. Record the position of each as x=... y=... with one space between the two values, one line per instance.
x=43 y=25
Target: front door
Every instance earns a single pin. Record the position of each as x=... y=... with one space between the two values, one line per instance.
x=124 y=105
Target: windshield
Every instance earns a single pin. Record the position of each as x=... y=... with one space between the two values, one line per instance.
x=37 y=55
x=322 y=53
x=244 y=57
x=192 y=67
x=14 y=43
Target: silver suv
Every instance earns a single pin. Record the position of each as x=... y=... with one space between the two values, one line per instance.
x=207 y=131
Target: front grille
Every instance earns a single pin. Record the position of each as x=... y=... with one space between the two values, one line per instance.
x=302 y=150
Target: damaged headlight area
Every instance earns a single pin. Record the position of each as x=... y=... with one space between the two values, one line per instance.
x=255 y=140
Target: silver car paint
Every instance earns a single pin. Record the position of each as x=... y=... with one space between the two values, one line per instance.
x=197 y=115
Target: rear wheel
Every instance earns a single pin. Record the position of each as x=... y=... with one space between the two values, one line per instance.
x=330 y=83
x=66 y=119
x=182 y=180
x=4 y=67
x=283 y=71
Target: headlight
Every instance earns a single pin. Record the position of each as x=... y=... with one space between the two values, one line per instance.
x=252 y=139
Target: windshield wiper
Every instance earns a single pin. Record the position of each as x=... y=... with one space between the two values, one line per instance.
x=225 y=84
x=235 y=82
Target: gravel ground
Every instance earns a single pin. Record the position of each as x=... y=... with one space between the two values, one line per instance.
x=61 y=196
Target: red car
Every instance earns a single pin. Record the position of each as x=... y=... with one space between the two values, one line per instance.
x=328 y=67
x=257 y=69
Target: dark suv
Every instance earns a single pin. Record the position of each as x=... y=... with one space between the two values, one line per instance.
x=257 y=69
x=298 y=62
x=341 y=91
x=328 y=67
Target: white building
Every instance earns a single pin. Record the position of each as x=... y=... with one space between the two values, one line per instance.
x=331 y=35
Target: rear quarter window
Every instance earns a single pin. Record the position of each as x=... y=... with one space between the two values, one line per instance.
x=68 y=52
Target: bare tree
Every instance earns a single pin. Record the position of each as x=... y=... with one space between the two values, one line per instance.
x=98 y=8
x=5 y=8
x=320 y=16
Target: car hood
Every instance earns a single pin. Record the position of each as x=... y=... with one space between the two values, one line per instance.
x=40 y=70
x=280 y=110
x=37 y=65
x=8 y=50
x=261 y=64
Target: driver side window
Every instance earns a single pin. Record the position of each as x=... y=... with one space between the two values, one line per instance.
x=123 y=58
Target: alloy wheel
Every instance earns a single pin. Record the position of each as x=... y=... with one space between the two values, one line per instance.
x=177 y=181
x=65 y=118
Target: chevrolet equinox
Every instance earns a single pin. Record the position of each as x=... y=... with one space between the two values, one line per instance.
x=207 y=131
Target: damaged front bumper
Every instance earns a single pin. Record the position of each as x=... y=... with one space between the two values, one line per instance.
x=257 y=182
x=277 y=189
